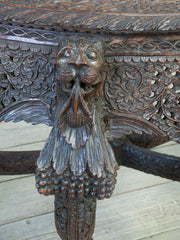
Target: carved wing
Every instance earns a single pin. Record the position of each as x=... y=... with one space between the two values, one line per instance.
x=32 y=111
x=142 y=87
x=27 y=82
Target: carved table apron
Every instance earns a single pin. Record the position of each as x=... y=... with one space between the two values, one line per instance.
x=106 y=76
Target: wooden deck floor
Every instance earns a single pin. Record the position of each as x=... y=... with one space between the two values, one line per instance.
x=143 y=206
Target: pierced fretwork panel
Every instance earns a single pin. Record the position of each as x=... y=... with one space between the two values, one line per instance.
x=141 y=76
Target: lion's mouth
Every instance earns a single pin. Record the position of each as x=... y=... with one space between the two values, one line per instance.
x=76 y=120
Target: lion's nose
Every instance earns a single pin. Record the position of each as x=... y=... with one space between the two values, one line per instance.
x=79 y=61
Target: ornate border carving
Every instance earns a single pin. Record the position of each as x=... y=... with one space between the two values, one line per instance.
x=91 y=22
x=15 y=33
x=106 y=6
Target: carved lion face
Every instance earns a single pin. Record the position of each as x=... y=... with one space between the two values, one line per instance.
x=79 y=73
x=77 y=141
x=79 y=65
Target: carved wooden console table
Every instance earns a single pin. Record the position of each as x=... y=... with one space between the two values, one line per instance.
x=106 y=76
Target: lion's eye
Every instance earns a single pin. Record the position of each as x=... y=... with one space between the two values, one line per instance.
x=66 y=53
x=92 y=55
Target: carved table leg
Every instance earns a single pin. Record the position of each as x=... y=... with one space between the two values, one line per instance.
x=77 y=163
x=75 y=218
x=75 y=200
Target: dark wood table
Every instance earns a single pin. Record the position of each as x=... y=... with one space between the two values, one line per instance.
x=106 y=76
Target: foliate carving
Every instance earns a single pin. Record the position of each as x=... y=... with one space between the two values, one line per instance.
x=115 y=6
x=149 y=91
x=166 y=112
x=139 y=86
x=77 y=215
x=79 y=20
x=121 y=88
x=134 y=6
x=26 y=72
x=138 y=75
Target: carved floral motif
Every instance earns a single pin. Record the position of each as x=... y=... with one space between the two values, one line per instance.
x=25 y=72
x=149 y=91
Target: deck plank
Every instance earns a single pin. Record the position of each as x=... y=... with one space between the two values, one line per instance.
x=128 y=216
x=167 y=235
x=140 y=214
x=22 y=136
x=21 y=200
x=170 y=235
x=22 y=194
x=5 y=178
